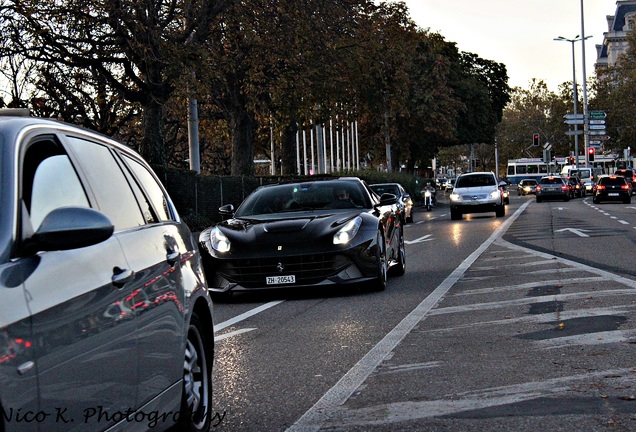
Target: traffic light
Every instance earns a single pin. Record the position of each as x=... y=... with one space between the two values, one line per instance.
x=590 y=154
x=571 y=160
x=535 y=139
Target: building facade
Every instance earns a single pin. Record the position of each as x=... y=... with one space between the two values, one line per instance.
x=615 y=39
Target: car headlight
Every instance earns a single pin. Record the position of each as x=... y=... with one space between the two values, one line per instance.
x=455 y=197
x=494 y=194
x=219 y=242
x=348 y=231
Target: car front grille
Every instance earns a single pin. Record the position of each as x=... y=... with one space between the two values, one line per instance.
x=308 y=269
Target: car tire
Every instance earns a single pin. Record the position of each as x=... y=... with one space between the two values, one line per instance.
x=500 y=211
x=566 y=199
x=595 y=200
x=456 y=214
x=400 y=268
x=379 y=284
x=196 y=399
x=628 y=200
x=538 y=199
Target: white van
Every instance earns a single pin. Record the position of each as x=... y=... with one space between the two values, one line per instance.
x=587 y=175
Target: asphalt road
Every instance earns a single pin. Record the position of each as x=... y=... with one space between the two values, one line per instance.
x=518 y=323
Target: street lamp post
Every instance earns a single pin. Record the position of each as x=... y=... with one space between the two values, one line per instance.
x=575 y=93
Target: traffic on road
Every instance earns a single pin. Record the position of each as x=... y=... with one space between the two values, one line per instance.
x=512 y=323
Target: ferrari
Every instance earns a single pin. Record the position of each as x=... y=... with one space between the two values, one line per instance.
x=316 y=233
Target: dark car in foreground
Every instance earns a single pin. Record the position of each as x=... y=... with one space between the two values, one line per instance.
x=477 y=192
x=405 y=202
x=552 y=187
x=310 y=234
x=611 y=188
x=105 y=317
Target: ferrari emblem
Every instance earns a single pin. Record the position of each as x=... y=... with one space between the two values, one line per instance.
x=280 y=267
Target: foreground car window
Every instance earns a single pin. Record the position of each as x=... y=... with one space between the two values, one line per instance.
x=50 y=183
x=111 y=188
x=156 y=195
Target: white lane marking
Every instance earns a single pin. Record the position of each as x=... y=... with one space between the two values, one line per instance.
x=397 y=412
x=245 y=315
x=579 y=232
x=337 y=395
x=531 y=300
x=623 y=222
x=607 y=275
x=232 y=334
x=419 y=240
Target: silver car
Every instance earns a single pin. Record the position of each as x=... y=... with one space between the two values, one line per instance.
x=105 y=316
x=476 y=192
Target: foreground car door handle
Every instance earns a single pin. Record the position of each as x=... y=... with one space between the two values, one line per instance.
x=121 y=276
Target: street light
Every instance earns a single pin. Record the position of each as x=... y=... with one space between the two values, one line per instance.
x=575 y=93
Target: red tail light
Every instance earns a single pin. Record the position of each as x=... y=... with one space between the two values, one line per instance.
x=600 y=187
x=626 y=186
x=538 y=188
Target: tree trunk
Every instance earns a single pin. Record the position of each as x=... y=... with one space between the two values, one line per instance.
x=242 y=125
x=289 y=148
x=153 y=147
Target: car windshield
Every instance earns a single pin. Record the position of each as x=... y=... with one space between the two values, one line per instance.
x=528 y=182
x=475 y=180
x=381 y=189
x=296 y=197
x=628 y=174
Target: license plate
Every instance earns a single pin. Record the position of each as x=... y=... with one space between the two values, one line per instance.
x=278 y=280
x=612 y=194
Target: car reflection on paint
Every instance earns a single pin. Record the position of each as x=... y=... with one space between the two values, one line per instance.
x=405 y=203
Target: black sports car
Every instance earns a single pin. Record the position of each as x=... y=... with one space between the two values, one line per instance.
x=316 y=233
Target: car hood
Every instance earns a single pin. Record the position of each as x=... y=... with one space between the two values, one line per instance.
x=299 y=227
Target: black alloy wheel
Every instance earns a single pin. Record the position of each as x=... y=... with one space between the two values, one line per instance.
x=379 y=284
x=196 y=403
x=400 y=267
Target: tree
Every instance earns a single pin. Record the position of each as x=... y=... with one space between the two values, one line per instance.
x=141 y=49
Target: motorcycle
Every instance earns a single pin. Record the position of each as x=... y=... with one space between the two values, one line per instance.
x=428 y=200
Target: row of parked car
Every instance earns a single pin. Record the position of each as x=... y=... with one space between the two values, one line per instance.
x=605 y=188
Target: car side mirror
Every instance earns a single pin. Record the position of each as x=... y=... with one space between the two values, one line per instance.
x=226 y=210
x=387 y=199
x=70 y=228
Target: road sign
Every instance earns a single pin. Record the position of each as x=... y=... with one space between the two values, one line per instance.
x=597 y=122
x=596 y=142
x=597 y=132
x=574 y=132
x=597 y=127
x=597 y=115
x=574 y=117
x=575 y=121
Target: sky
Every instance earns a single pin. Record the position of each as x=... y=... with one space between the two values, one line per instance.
x=520 y=33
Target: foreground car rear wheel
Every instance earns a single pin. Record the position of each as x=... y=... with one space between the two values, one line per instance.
x=380 y=283
x=196 y=401
x=456 y=214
